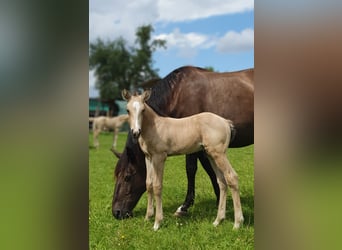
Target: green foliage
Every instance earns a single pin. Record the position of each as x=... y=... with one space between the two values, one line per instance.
x=194 y=231
x=142 y=56
x=210 y=68
x=111 y=61
x=118 y=66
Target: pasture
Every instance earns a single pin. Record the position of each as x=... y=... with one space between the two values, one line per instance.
x=195 y=231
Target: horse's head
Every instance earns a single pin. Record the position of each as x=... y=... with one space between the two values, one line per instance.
x=130 y=175
x=135 y=109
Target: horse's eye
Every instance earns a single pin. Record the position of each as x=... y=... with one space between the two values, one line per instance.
x=127 y=111
x=127 y=178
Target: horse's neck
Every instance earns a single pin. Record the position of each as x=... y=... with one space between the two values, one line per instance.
x=120 y=119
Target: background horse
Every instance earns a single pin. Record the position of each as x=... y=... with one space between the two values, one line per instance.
x=184 y=92
x=160 y=137
x=102 y=122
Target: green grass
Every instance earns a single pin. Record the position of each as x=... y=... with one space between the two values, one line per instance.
x=194 y=231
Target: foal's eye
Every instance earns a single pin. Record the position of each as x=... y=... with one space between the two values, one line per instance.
x=127 y=178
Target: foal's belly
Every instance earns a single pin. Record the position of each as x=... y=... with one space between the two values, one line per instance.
x=185 y=149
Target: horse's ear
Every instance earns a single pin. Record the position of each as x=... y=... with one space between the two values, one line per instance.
x=146 y=95
x=116 y=153
x=125 y=94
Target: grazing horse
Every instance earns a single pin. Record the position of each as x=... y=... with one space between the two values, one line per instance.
x=187 y=91
x=101 y=122
x=160 y=137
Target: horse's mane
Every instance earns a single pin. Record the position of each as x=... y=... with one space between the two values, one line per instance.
x=162 y=91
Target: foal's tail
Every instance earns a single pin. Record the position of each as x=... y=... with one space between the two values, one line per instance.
x=232 y=131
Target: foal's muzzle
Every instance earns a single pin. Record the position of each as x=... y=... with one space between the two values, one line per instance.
x=136 y=133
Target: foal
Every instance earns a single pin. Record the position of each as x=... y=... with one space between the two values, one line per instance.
x=102 y=122
x=159 y=137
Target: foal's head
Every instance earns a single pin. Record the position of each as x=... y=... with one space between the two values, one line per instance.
x=135 y=109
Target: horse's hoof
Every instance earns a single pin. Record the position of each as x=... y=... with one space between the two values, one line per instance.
x=155 y=227
x=180 y=213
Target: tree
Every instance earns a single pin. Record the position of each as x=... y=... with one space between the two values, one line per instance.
x=142 y=58
x=210 y=68
x=118 y=66
x=111 y=61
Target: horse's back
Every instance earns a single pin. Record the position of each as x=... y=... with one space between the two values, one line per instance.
x=230 y=95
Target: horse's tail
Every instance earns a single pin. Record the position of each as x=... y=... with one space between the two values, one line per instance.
x=91 y=119
x=232 y=131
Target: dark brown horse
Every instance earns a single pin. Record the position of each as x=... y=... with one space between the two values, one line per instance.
x=184 y=92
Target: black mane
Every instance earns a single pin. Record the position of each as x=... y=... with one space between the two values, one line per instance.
x=161 y=92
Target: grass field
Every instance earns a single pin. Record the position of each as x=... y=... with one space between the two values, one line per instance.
x=194 y=231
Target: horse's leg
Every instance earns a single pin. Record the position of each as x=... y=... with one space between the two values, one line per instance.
x=191 y=169
x=227 y=175
x=207 y=167
x=149 y=188
x=116 y=131
x=158 y=166
x=96 y=132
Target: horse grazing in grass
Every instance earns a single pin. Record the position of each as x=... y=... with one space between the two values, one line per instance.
x=160 y=137
x=184 y=92
x=101 y=122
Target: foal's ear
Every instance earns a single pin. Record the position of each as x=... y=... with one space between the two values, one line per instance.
x=146 y=95
x=125 y=94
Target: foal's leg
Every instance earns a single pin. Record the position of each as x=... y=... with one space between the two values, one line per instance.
x=149 y=188
x=210 y=171
x=227 y=175
x=158 y=166
x=221 y=210
x=191 y=169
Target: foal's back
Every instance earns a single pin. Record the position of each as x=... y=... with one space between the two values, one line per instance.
x=195 y=133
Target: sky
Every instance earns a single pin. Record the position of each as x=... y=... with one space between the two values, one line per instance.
x=202 y=33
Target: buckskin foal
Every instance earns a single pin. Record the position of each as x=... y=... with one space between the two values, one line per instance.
x=101 y=122
x=160 y=137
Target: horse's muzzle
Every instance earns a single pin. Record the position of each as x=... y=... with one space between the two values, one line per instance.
x=118 y=214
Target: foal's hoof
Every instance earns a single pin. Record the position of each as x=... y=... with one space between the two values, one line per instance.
x=239 y=223
x=180 y=213
x=216 y=223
